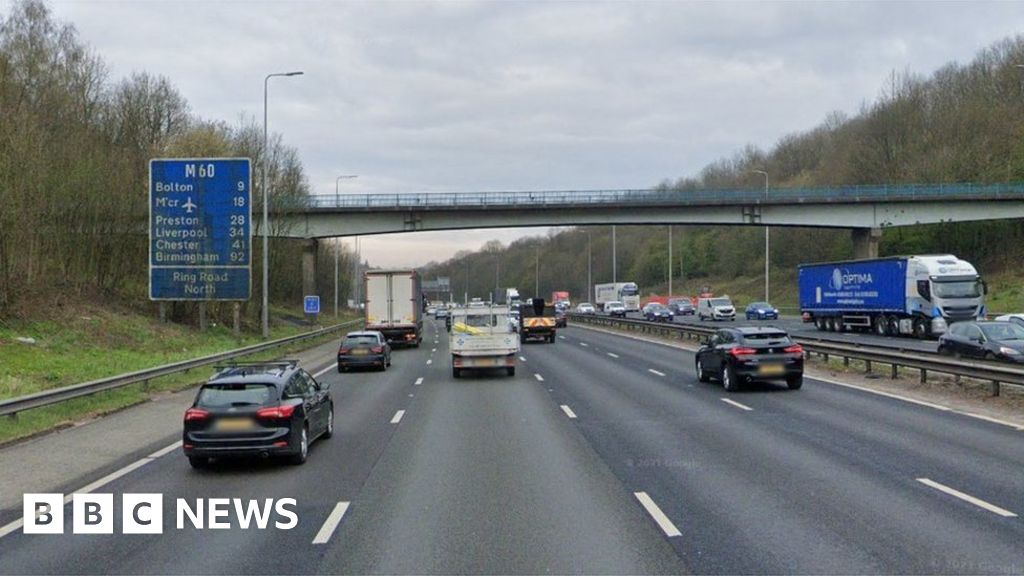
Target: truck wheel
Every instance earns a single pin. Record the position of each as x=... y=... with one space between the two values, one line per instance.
x=920 y=329
x=456 y=372
x=881 y=326
x=840 y=327
x=551 y=338
x=511 y=370
x=829 y=324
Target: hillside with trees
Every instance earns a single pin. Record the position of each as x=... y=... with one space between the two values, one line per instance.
x=75 y=147
x=963 y=123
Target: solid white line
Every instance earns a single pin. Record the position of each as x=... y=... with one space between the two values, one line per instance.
x=613 y=354
x=883 y=393
x=538 y=377
x=418 y=381
x=584 y=344
x=429 y=362
x=653 y=371
x=165 y=450
x=568 y=411
x=331 y=523
x=522 y=358
x=737 y=404
x=398 y=417
x=324 y=371
x=968 y=498
x=659 y=517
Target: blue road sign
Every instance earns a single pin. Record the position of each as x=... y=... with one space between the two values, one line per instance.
x=200 y=223
x=311 y=304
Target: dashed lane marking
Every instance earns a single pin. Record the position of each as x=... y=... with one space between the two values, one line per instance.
x=331 y=524
x=737 y=404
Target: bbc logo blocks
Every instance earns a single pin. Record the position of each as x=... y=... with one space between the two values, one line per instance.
x=93 y=513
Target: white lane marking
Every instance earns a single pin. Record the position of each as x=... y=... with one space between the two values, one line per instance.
x=429 y=362
x=568 y=411
x=324 y=371
x=562 y=337
x=886 y=394
x=968 y=498
x=659 y=517
x=333 y=519
x=15 y=525
x=584 y=344
x=538 y=377
x=398 y=417
x=655 y=372
x=418 y=381
x=737 y=404
x=410 y=395
x=613 y=354
x=522 y=358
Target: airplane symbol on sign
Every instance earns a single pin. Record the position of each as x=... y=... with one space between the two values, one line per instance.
x=189 y=206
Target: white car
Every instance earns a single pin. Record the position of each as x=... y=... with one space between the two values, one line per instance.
x=586 y=308
x=615 y=308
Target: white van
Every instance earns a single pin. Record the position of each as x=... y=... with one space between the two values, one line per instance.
x=716 y=308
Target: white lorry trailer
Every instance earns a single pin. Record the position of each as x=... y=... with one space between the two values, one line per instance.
x=394 y=305
x=482 y=338
x=626 y=292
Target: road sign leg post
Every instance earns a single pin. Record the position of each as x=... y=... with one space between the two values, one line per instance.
x=163 y=312
x=202 y=316
x=236 y=318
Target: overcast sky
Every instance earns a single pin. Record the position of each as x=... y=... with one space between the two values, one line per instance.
x=465 y=96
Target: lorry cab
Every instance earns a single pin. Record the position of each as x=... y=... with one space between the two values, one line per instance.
x=946 y=289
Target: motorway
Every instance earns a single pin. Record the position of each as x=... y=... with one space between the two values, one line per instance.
x=602 y=455
x=800 y=329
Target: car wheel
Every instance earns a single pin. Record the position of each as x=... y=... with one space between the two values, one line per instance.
x=729 y=380
x=330 y=423
x=300 y=457
x=702 y=376
x=795 y=382
x=990 y=357
x=341 y=367
x=198 y=462
x=943 y=351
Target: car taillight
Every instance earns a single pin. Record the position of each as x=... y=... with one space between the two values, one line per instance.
x=738 y=351
x=794 y=349
x=377 y=349
x=344 y=350
x=193 y=414
x=276 y=412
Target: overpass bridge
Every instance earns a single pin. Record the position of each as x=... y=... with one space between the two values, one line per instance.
x=865 y=210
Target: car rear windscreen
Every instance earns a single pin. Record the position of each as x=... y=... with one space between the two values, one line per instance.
x=368 y=340
x=235 y=395
x=764 y=337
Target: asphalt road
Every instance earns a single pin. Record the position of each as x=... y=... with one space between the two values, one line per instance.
x=602 y=455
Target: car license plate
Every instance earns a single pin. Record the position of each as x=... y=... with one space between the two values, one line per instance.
x=771 y=370
x=234 y=424
x=360 y=352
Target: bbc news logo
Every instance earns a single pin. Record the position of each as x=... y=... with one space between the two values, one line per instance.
x=144 y=513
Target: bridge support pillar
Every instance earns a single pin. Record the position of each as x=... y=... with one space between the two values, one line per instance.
x=865 y=242
x=309 y=250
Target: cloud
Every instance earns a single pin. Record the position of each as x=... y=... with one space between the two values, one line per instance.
x=463 y=96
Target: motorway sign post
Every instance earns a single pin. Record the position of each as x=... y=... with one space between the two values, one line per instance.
x=311 y=306
x=200 y=222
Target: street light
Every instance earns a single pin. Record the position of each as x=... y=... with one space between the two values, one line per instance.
x=266 y=212
x=615 y=269
x=337 y=248
x=765 y=174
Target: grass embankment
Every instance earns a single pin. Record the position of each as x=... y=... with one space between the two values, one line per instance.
x=92 y=342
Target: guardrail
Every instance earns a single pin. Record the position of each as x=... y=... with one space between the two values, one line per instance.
x=13 y=406
x=655 y=196
x=997 y=374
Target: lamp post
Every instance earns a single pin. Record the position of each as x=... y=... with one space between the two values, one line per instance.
x=590 y=262
x=536 y=271
x=337 y=247
x=766 y=252
x=670 y=261
x=266 y=212
x=615 y=269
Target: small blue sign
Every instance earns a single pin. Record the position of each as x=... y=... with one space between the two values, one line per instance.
x=200 y=229
x=311 y=305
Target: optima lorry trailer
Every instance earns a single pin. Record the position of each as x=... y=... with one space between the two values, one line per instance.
x=917 y=295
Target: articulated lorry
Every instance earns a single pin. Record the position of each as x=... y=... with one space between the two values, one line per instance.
x=394 y=305
x=626 y=292
x=482 y=338
x=912 y=295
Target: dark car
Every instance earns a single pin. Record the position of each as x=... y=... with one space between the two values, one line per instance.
x=995 y=340
x=441 y=312
x=262 y=409
x=655 y=312
x=762 y=311
x=737 y=355
x=561 y=317
x=364 y=349
x=681 y=307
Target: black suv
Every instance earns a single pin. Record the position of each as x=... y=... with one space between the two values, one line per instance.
x=736 y=355
x=259 y=409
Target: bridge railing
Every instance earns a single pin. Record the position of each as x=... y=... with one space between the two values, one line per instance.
x=497 y=200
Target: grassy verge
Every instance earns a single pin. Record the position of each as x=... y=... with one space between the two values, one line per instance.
x=97 y=343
